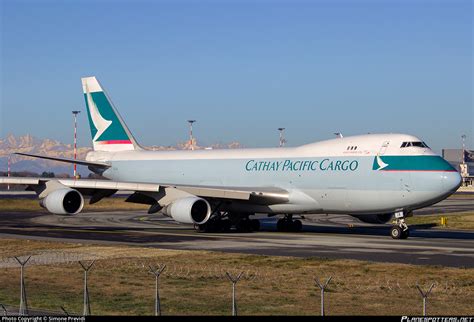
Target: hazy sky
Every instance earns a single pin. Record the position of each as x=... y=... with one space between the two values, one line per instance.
x=242 y=68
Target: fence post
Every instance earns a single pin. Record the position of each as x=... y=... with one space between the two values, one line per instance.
x=87 y=306
x=234 y=281
x=157 y=272
x=23 y=300
x=4 y=309
x=64 y=311
x=322 y=287
x=425 y=296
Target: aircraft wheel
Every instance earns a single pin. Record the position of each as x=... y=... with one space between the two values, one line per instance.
x=201 y=228
x=244 y=226
x=255 y=224
x=280 y=225
x=396 y=232
x=297 y=225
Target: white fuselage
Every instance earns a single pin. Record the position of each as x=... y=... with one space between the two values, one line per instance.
x=366 y=174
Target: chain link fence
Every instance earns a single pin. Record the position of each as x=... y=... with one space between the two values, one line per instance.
x=215 y=272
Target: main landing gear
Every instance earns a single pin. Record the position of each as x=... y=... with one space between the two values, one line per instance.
x=288 y=224
x=222 y=222
x=400 y=230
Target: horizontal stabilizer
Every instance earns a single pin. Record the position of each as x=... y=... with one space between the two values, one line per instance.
x=80 y=162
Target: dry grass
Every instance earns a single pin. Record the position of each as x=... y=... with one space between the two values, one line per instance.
x=194 y=283
x=106 y=204
x=461 y=220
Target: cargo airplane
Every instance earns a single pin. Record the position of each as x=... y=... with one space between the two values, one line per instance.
x=372 y=177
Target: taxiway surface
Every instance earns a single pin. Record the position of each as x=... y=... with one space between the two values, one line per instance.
x=331 y=236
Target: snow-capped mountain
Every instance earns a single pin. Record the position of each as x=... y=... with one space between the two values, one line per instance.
x=30 y=144
x=33 y=145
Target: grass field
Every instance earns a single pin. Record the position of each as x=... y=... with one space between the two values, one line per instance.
x=460 y=220
x=194 y=283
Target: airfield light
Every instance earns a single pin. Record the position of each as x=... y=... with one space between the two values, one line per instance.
x=75 y=140
x=191 y=141
x=282 y=139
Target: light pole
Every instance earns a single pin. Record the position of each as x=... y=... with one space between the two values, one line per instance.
x=75 y=140
x=191 y=133
x=282 y=139
x=9 y=169
x=463 y=137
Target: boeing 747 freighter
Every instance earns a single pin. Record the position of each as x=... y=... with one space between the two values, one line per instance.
x=373 y=177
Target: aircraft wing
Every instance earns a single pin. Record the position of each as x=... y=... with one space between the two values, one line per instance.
x=103 y=188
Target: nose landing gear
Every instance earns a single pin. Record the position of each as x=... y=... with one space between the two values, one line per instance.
x=400 y=230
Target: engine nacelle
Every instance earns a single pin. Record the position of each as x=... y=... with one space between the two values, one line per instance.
x=189 y=210
x=63 y=202
x=374 y=219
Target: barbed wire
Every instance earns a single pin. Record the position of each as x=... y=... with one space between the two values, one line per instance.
x=217 y=272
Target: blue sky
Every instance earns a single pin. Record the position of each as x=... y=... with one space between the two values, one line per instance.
x=242 y=68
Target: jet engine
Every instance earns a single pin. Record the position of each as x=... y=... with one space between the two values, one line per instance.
x=374 y=219
x=64 y=201
x=189 y=210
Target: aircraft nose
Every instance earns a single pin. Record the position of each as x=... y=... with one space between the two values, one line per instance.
x=451 y=181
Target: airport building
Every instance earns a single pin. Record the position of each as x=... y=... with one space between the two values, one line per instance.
x=463 y=161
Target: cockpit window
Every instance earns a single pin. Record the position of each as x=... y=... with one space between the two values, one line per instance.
x=414 y=144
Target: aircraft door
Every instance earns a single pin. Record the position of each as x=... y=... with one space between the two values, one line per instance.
x=384 y=147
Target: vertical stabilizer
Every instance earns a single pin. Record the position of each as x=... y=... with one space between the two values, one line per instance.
x=109 y=132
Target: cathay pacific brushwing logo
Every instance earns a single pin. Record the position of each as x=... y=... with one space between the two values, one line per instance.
x=379 y=164
x=100 y=123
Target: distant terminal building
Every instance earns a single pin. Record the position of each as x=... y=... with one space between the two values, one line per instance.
x=463 y=161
